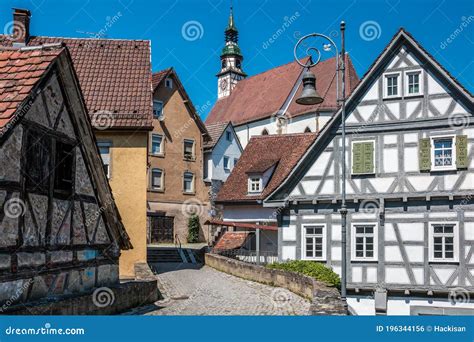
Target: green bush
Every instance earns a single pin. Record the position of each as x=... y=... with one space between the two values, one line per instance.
x=193 y=228
x=313 y=269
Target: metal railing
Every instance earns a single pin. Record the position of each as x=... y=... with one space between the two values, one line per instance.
x=248 y=256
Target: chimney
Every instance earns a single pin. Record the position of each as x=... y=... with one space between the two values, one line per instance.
x=21 y=26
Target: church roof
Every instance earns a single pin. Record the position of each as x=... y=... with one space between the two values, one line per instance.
x=264 y=95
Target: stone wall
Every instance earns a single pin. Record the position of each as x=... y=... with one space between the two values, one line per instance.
x=102 y=301
x=326 y=300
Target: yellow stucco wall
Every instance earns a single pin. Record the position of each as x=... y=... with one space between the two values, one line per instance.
x=128 y=181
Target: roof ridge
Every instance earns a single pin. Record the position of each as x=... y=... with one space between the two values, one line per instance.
x=90 y=38
x=281 y=135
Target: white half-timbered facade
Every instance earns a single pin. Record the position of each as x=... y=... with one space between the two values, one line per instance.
x=410 y=182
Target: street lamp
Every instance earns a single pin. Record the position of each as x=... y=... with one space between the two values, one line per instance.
x=310 y=96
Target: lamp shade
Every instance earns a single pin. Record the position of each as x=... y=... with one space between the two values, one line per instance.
x=309 y=95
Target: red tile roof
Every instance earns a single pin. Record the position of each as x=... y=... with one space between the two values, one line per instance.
x=215 y=131
x=20 y=71
x=232 y=240
x=157 y=77
x=114 y=75
x=285 y=150
x=264 y=95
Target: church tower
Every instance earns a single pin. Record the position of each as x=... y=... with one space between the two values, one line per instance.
x=231 y=61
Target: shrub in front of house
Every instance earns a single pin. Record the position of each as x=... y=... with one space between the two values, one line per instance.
x=193 y=228
x=312 y=269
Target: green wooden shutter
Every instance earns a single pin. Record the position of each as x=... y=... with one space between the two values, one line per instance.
x=368 y=157
x=461 y=152
x=357 y=158
x=425 y=154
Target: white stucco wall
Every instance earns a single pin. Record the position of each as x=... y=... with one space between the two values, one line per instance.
x=294 y=125
x=214 y=161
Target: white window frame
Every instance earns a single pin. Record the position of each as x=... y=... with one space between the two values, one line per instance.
x=303 y=241
x=418 y=72
x=399 y=85
x=193 y=189
x=453 y=154
x=168 y=83
x=108 y=159
x=161 y=152
x=260 y=184
x=161 y=187
x=155 y=116
x=373 y=156
x=431 y=236
x=227 y=168
x=353 y=241
x=193 y=156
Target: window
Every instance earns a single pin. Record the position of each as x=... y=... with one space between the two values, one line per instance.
x=169 y=83
x=413 y=86
x=228 y=135
x=235 y=161
x=364 y=238
x=104 y=150
x=188 y=149
x=443 y=153
x=156 y=144
x=391 y=85
x=314 y=242
x=157 y=109
x=188 y=182
x=41 y=164
x=264 y=132
x=157 y=179
x=444 y=242
x=63 y=175
x=226 y=163
x=255 y=184
x=38 y=155
x=363 y=154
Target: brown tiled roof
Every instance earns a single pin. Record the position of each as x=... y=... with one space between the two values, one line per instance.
x=264 y=95
x=215 y=131
x=20 y=71
x=114 y=75
x=232 y=240
x=157 y=77
x=286 y=150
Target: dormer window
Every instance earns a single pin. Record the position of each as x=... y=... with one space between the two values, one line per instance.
x=255 y=184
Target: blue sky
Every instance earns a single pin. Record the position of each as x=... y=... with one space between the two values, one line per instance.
x=195 y=54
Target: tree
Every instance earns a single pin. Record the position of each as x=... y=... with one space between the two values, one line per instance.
x=193 y=228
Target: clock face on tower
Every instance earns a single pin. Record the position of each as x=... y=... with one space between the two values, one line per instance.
x=223 y=84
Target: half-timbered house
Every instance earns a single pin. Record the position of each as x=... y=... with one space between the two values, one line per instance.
x=60 y=230
x=410 y=170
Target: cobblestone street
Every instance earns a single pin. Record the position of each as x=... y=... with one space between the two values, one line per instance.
x=194 y=290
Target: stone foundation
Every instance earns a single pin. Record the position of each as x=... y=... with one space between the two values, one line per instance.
x=101 y=301
x=325 y=300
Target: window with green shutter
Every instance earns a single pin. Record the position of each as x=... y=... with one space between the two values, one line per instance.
x=363 y=157
x=425 y=154
x=461 y=152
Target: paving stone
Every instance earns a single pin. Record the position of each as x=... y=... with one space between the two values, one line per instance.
x=195 y=290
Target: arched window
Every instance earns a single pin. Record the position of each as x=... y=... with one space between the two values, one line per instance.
x=307 y=130
x=264 y=132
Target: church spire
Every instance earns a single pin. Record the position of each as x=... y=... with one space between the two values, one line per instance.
x=231 y=59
